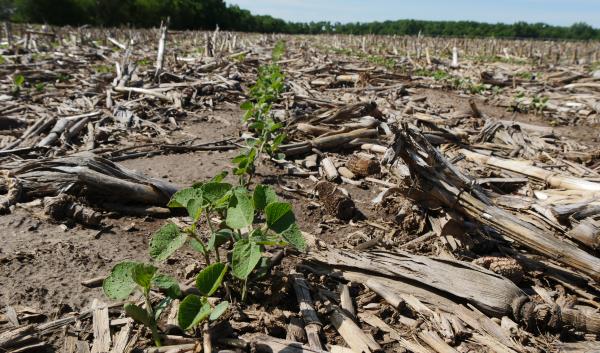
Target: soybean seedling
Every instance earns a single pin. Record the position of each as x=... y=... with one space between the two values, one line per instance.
x=18 y=83
x=128 y=277
x=203 y=199
x=266 y=91
x=241 y=211
x=539 y=104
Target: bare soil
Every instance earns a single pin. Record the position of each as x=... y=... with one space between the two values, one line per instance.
x=43 y=264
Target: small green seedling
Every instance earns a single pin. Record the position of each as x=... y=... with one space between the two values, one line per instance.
x=63 y=78
x=526 y=75
x=438 y=75
x=143 y=62
x=388 y=63
x=278 y=51
x=475 y=88
x=204 y=199
x=18 y=83
x=240 y=209
x=517 y=103
x=128 y=277
x=195 y=309
x=266 y=91
x=539 y=104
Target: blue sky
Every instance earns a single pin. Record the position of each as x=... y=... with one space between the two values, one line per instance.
x=555 y=12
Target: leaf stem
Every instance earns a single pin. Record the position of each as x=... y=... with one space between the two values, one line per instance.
x=212 y=233
x=204 y=252
x=153 y=326
x=244 y=289
x=262 y=146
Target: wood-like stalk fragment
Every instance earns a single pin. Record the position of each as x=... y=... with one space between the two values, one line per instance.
x=346 y=301
x=358 y=340
x=335 y=202
x=526 y=168
x=312 y=324
x=363 y=167
x=329 y=169
x=295 y=330
x=445 y=183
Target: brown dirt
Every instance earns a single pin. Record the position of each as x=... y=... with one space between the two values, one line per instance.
x=42 y=264
x=450 y=99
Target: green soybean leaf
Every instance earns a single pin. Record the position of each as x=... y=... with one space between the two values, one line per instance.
x=219 y=177
x=198 y=246
x=258 y=237
x=218 y=310
x=246 y=255
x=263 y=195
x=142 y=275
x=138 y=314
x=168 y=283
x=195 y=207
x=257 y=126
x=240 y=158
x=219 y=238
x=214 y=192
x=19 y=80
x=210 y=278
x=192 y=311
x=166 y=241
x=277 y=141
x=248 y=114
x=245 y=161
x=274 y=127
x=246 y=105
x=182 y=197
x=279 y=216
x=259 y=198
x=240 y=213
x=294 y=237
x=120 y=284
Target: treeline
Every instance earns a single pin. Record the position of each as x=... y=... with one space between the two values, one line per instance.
x=580 y=31
x=206 y=14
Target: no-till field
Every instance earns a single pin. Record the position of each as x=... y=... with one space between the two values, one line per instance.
x=474 y=187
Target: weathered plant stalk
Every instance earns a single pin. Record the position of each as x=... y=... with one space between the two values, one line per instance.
x=442 y=181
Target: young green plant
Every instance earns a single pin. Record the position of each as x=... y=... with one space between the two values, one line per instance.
x=266 y=91
x=128 y=277
x=251 y=221
x=18 y=83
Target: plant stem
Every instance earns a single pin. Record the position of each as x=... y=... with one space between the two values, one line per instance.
x=205 y=253
x=244 y=289
x=153 y=327
x=212 y=232
x=262 y=145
